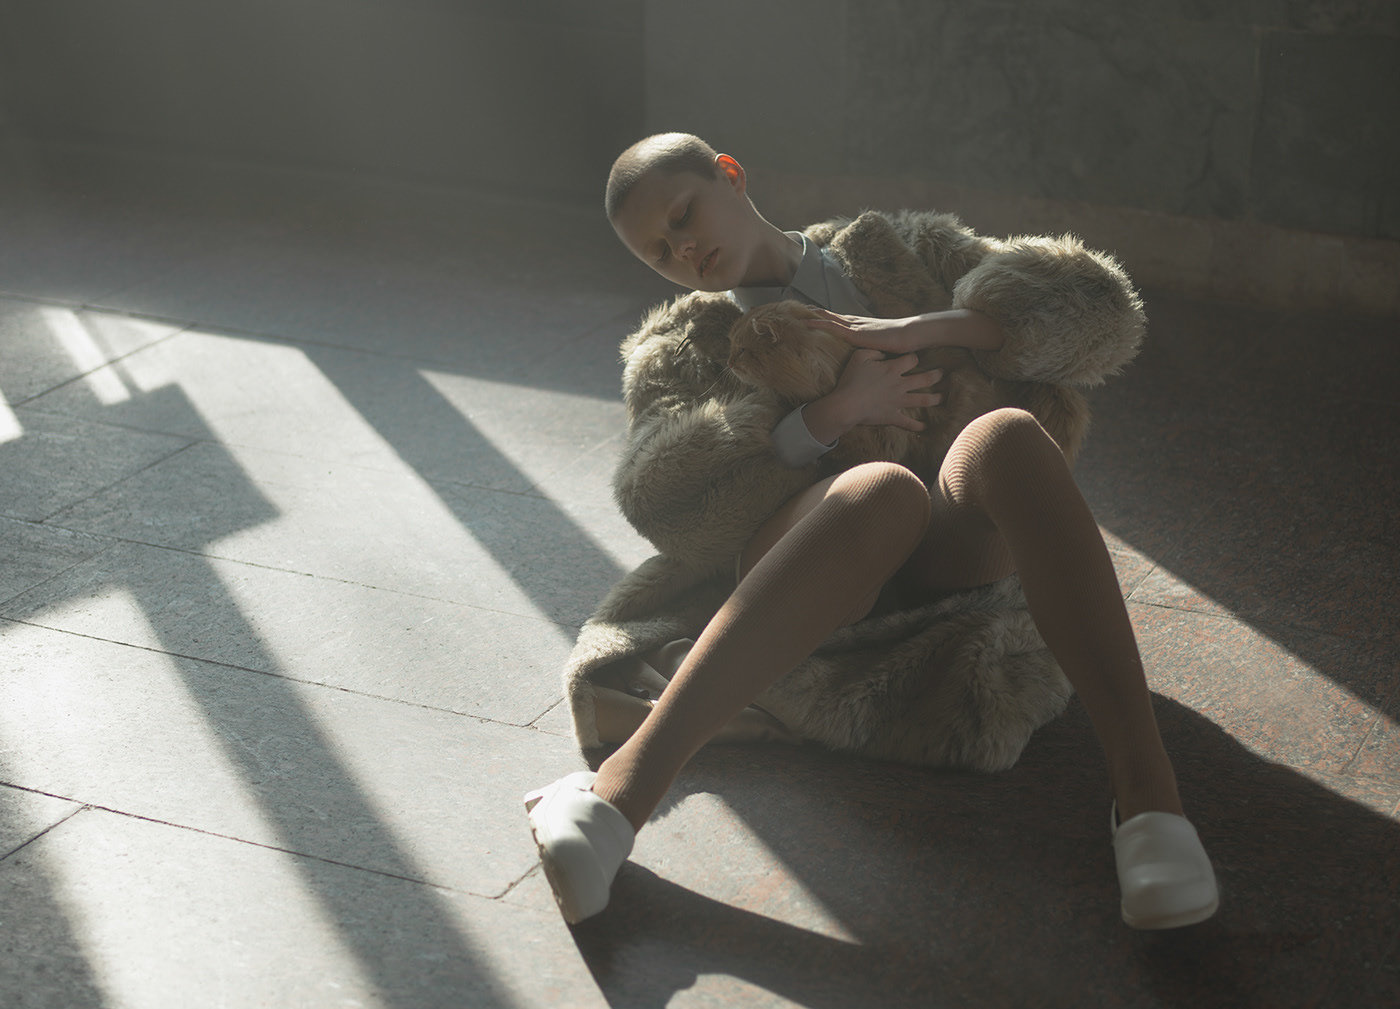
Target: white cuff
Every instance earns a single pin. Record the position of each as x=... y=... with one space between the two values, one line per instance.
x=795 y=445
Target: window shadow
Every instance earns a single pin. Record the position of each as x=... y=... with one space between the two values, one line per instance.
x=239 y=705
x=548 y=555
x=47 y=946
x=980 y=889
x=991 y=889
x=318 y=809
x=1256 y=480
x=1260 y=475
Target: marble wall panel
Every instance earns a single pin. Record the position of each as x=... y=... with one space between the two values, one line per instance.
x=1281 y=113
x=757 y=81
x=1324 y=16
x=1381 y=17
x=1053 y=102
x=534 y=95
x=1328 y=139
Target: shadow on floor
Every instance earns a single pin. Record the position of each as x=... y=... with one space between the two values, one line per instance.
x=970 y=889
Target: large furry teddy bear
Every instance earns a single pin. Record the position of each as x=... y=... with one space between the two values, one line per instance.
x=958 y=681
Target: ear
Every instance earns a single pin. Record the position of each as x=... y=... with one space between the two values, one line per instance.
x=732 y=171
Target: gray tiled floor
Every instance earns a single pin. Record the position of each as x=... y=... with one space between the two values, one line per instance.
x=306 y=494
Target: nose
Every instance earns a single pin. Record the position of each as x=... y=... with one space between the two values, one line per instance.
x=682 y=245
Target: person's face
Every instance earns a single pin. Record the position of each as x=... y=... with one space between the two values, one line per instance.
x=697 y=232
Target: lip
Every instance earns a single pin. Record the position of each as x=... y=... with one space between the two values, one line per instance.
x=707 y=263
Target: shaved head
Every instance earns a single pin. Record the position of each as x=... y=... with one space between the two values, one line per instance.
x=671 y=153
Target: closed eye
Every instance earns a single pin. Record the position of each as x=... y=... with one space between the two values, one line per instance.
x=678 y=223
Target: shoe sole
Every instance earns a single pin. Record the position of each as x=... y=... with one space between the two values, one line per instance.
x=569 y=911
x=573 y=914
x=1193 y=917
x=567 y=903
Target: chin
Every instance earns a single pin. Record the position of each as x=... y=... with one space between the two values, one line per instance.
x=722 y=279
x=714 y=282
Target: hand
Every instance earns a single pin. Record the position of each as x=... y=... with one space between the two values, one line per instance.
x=956 y=327
x=875 y=390
x=897 y=336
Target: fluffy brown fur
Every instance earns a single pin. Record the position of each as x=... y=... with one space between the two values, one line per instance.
x=962 y=681
x=773 y=347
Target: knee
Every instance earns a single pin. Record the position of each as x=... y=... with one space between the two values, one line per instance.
x=884 y=495
x=1008 y=442
x=1008 y=434
x=1007 y=427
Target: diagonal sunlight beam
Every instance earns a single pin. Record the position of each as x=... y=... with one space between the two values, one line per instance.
x=270 y=406
x=267 y=773
x=10 y=427
x=1279 y=683
x=243 y=723
x=48 y=922
x=95 y=721
x=88 y=358
x=270 y=773
x=566 y=546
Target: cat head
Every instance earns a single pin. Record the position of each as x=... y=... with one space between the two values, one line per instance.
x=774 y=347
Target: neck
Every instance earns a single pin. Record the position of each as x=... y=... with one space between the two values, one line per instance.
x=775 y=261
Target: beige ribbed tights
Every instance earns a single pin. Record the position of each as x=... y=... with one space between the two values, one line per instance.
x=1004 y=500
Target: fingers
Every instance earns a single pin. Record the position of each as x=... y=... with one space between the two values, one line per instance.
x=922 y=380
x=925 y=378
x=917 y=401
x=836 y=325
x=906 y=362
x=828 y=319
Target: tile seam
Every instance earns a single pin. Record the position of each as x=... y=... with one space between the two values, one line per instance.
x=117 y=483
x=480 y=719
x=563 y=624
x=50 y=827
x=111 y=545
x=220 y=329
x=90 y=806
x=515 y=883
x=92 y=371
x=431 y=479
x=1376 y=723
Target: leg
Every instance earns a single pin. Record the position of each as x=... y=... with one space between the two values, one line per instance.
x=817 y=564
x=1006 y=497
x=1006 y=500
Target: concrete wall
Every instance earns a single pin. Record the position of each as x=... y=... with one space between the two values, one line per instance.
x=1245 y=149
x=538 y=94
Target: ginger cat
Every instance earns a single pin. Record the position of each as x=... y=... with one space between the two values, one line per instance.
x=772 y=347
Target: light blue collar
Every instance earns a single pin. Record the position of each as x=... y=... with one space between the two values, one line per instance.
x=819 y=281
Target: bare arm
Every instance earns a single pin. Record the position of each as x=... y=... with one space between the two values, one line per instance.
x=872 y=389
x=956 y=327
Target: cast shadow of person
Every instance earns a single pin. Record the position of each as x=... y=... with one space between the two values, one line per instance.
x=953 y=888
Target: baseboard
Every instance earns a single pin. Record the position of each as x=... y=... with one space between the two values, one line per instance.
x=1237 y=261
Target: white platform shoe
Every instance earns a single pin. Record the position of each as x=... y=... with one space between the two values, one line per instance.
x=582 y=839
x=1163 y=871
